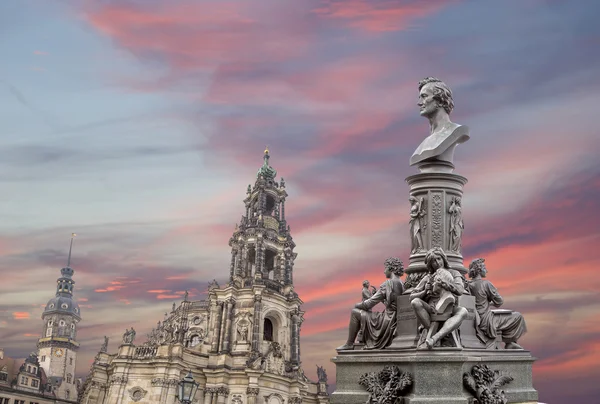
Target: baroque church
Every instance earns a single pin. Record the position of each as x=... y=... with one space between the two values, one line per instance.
x=241 y=344
x=48 y=375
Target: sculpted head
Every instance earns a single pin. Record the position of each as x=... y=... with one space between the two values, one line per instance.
x=477 y=267
x=366 y=284
x=393 y=265
x=434 y=94
x=436 y=258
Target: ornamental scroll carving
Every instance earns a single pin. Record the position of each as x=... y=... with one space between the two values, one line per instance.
x=118 y=380
x=252 y=391
x=436 y=219
x=164 y=382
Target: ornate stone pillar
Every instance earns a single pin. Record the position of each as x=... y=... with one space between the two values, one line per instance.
x=208 y=393
x=210 y=331
x=222 y=394
x=295 y=338
x=240 y=263
x=435 y=220
x=283 y=209
x=260 y=257
x=234 y=253
x=256 y=325
x=227 y=327
x=252 y=395
x=217 y=328
x=288 y=268
x=276 y=214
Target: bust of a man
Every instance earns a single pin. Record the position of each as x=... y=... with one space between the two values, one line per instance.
x=436 y=152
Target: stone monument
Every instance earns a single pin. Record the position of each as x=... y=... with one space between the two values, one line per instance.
x=438 y=339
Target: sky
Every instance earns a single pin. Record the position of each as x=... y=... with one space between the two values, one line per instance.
x=139 y=124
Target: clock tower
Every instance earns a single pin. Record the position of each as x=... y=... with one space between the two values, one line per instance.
x=57 y=347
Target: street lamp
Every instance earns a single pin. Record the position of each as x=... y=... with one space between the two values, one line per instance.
x=187 y=389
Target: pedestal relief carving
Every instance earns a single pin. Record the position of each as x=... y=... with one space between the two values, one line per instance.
x=386 y=386
x=436 y=219
x=484 y=383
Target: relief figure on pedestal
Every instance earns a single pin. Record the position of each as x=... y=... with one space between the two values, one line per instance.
x=417 y=212
x=510 y=325
x=433 y=292
x=436 y=104
x=456 y=224
x=378 y=328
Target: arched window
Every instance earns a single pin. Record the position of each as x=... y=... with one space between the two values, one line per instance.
x=69 y=378
x=67 y=394
x=268 y=330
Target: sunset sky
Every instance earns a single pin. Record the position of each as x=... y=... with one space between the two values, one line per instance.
x=139 y=124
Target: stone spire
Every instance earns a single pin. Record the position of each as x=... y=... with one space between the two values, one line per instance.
x=266 y=171
x=262 y=247
x=57 y=347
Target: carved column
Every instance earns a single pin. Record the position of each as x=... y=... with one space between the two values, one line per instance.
x=222 y=394
x=432 y=194
x=283 y=209
x=242 y=256
x=256 y=325
x=276 y=209
x=208 y=393
x=217 y=328
x=227 y=331
x=252 y=394
x=260 y=257
x=295 y=340
x=234 y=253
x=288 y=268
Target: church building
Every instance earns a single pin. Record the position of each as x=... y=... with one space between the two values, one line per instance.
x=241 y=344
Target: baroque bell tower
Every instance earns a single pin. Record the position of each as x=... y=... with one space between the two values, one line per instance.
x=57 y=347
x=262 y=248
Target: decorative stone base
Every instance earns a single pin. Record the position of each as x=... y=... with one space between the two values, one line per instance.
x=437 y=374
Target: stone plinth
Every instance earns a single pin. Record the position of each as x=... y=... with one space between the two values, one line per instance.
x=437 y=374
x=434 y=192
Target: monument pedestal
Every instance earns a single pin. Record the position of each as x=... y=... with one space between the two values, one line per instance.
x=436 y=225
x=437 y=374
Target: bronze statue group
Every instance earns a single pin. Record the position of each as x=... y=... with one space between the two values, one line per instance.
x=434 y=301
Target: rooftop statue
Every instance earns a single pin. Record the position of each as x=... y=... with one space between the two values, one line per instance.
x=436 y=104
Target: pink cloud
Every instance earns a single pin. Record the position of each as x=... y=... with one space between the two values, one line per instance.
x=21 y=315
x=165 y=296
x=39 y=52
x=379 y=16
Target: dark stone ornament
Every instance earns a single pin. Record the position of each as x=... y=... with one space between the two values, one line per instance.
x=386 y=386
x=484 y=384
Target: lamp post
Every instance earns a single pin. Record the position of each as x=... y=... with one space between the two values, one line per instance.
x=187 y=389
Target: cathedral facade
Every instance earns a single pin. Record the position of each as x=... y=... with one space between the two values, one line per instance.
x=241 y=344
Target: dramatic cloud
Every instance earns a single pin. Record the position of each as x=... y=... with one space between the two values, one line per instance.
x=150 y=119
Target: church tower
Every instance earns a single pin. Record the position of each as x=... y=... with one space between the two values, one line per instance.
x=262 y=249
x=57 y=347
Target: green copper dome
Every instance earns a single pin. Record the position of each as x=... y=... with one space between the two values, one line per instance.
x=266 y=171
